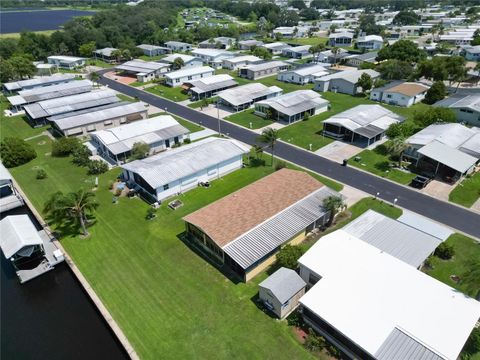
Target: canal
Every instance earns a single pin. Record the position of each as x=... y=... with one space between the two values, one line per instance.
x=51 y=317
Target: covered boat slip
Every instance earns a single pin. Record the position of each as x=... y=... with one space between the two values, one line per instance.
x=9 y=197
x=31 y=251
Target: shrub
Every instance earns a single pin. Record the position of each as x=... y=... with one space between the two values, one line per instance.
x=110 y=185
x=140 y=150
x=472 y=345
x=187 y=141
x=151 y=213
x=444 y=251
x=41 y=174
x=96 y=167
x=434 y=115
x=280 y=164
x=81 y=156
x=288 y=256
x=295 y=319
x=16 y=152
x=65 y=146
x=436 y=93
x=118 y=192
x=313 y=342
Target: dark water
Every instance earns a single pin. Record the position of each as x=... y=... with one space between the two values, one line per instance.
x=17 y=21
x=51 y=317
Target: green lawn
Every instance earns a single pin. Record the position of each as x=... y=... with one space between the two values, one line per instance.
x=308 y=40
x=244 y=118
x=169 y=301
x=16 y=126
x=378 y=162
x=171 y=93
x=465 y=249
x=234 y=74
x=467 y=192
x=303 y=133
x=151 y=58
x=100 y=63
x=287 y=87
x=200 y=103
x=124 y=97
x=138 y=83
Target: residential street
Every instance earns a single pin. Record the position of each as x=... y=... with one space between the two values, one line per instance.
x=449 y=214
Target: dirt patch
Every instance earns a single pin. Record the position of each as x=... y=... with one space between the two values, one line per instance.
x=300 y=334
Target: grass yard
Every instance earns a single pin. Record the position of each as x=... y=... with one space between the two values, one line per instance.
x=124 y=97
x=168 y=300
x=152 y=58
x=244 y=118
x=307 y=41
x=138 y=83
x=467 y=192
x=99 y=63
x=287 y=87
x=466 y=249
x=378 y=162
x=200 y=103
x=234 y=74
x=16 y=126
x=303 y=133
x=171 y=93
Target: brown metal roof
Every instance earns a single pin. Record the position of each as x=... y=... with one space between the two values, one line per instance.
x=408 y=89
x=235 y=214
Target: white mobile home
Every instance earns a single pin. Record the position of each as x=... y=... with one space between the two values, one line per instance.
x=303 y=75
x=370 y=42
x=400 y=93
x=242 y=97
x=344 y=82
x=213 y=57
x=179 y=170
x=66 y=62
x=258 y=71
x=177 y=78
x=153 y=50
x=15 y=86
x=175 y=46
x=188 y=60
x=466 y=107
x=159 y=133
x=143 y=70
x=237 y=62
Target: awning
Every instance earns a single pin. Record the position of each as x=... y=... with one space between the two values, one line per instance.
x=18 y=235
x=453 y=158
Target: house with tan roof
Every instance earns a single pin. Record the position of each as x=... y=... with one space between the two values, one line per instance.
x=243 y=231
x=400 y=93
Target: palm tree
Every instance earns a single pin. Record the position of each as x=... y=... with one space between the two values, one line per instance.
x=73 y=206
x=94 y=77
x=333 y=204
x=315 y=50
x=117 y=54
x=396 y=147
x=269 y=136
x=335 y=50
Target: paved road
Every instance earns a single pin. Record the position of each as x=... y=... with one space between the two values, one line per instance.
x=454 y=216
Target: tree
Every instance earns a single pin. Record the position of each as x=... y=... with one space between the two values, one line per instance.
x=316 y=49
x=434 y=115
x=178 y=63
x=436 y=92
x=94 y=77
x=87 y=49
x=471 y=277
x=288 y=256
x=262 y=53
x=368 y=25
x=313 y=342
x=298 y=4
x=395 y=147
x=333 y=204
x=22 y=66
x=269 y=136
x=16 y=152
x=406 y=18
x=97 y=167
x=335 y=50
x=365 y=82
x=81 y=155
x=395 y=70
x=287 y=18
x=444 y=251
x=403 y=50
x=65 y=146
x=74 y=206
x=310 y=14
x=117 y=54
x=140 y=150
x=7 y=72
x=404 y=129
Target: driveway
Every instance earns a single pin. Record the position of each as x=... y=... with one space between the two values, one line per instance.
x=438 y=189
x=443 y=212
x=338 y=151
x=211 y=110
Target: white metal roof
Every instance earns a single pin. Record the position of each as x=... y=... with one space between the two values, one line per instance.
x=362 y=285
x=370 y=38
x=213 y=82
x=70 y=103
x=190 y=71
x=150 y=47
x=171 y=58
x=317 y=69
x=140 y=66
x=243 y=58
x=266 y=65
x=274 y=45
x=406 y=243
x=350 y=75
x=18 y=232
x=213 y=52
x=38 y=81
x=365 y=115
x=448 y=156
x=295 y=102
x=105 y=51
x=247 y=93
x=341 y=34
x=95 y=116
x=4 y=173
x=66 y=59
x=426 y=225
x=186 y=160
x=122 y=138
x=283 y=283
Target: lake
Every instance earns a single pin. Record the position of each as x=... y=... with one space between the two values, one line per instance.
x=37 y=20
x=51 y=317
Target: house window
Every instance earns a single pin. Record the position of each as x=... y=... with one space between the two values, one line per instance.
x=166 y=187
x=389 y=96
x=190 y=77
x=177 y=80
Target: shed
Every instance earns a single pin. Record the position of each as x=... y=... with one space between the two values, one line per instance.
x=281 y=291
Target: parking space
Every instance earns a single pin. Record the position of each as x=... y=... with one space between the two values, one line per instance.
x=438 y=189
x=338 y=151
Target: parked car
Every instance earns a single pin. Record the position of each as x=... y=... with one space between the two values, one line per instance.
x=419 y=182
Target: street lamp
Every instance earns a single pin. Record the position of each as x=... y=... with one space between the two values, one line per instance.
x=377 y=195
x=395 y=201
x=218 y=117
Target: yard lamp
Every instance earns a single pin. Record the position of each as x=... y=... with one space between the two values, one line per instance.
x=377 y=195
x=395 y=201
x=310 y=146
x=250 y=124
x=218 y=117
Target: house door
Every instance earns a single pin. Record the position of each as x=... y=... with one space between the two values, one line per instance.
x=167 y=143
x=175 y=139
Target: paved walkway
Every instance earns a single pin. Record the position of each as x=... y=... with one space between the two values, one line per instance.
x=202 y=134
x=274 y=125
x=353 y=195
x=476 y=206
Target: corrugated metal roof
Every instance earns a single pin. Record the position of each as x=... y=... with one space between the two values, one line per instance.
x=426 y=225
x=394 y=237
x=266 y=65
x=295 y=102
x=189 y=159
x=70 y=103
x=283 y=283
x=105 y=51
x=93 y=116
x=17 y=232
x=350 y=75
x=171 y=58
x=141 y=66
x=247 y=93
x=211 y=83
x=122 y=138
x=271 y=234
x=40 y=81
x=196 y=70
x=4 y=173
x=399 y=345
x=451 y=157
x=55 y=91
